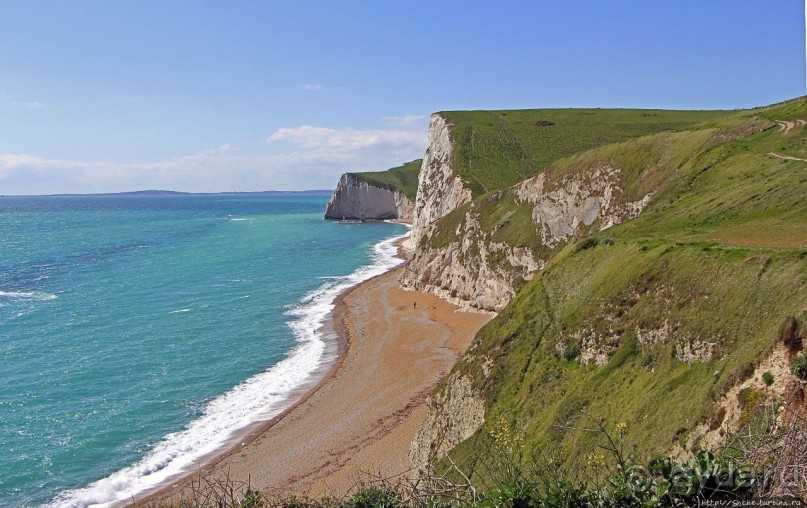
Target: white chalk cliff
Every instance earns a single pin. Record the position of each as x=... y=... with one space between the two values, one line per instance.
x=440 y=188
x=355 y=198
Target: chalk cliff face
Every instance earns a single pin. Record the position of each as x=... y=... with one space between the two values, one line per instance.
x=477 y=272
x=355 y=198
x=562 y=210
x=455 y=413
x=440 y=188
x=473 y=272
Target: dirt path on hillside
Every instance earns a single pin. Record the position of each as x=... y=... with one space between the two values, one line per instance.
x=785 y=125
x=786 y=157
x=784 y=128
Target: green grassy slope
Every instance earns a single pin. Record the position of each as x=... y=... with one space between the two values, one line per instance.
x=736 y=298
x=403 y=178
x=718 y=260
x=496 y=149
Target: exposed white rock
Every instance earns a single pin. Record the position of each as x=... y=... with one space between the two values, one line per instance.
x=455 y=413
x=690 y=350
x=577 y=200
x=712 y=435
x=625 y=211
x=355 y=198
x=478 y=274
x=657 y=336
x=440 y=188
x=474 y=272
x=595 y=349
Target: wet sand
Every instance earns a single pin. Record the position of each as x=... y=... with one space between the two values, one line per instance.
x=363 y=416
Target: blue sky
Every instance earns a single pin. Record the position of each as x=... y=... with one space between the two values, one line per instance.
x=102 y=96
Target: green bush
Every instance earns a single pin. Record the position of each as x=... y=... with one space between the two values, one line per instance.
x=800 y=366
x=586 y=243
x=747 y=397
x=512 y=493
x=571 y=352
x=767 y=378
x=252 y=499
x=375 y=497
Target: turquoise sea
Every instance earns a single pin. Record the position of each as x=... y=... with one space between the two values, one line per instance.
x=138 y=333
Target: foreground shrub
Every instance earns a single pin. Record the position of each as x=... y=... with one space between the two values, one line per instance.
x=766 y=463
x=800 y=366
x=375 y=497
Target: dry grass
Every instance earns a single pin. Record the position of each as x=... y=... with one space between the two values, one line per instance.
x=779 y=453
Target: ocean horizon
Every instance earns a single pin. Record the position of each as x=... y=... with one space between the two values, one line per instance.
x=141 y=332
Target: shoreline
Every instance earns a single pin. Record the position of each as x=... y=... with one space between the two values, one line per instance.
x=388 y=256
x=273 y=393
x=166 y=490
x=331 y=473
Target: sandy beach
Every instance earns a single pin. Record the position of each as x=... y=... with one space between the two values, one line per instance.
x=362 y=417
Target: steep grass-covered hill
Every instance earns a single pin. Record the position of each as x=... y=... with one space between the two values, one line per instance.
x=644 y=273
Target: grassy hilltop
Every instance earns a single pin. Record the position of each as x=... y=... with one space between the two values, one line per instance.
x=499 y=148
x=684 y=301
x=403 y=178
x=496 y=149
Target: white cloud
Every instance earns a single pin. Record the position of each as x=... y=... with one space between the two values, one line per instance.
x=318 y=87
x=202 y=171
x=295 y=158
x=11 y=102
x=402 y=121
x=318 y=165
x=311 y=137
x=14 y=160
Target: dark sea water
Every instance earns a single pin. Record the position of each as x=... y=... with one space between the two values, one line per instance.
x=137 y=333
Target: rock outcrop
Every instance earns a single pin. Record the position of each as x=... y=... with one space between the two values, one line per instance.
x=355 y=198
x=477 y=272
x=440 y=188
x=604 y=297
x=455 y=413
x=562 y=209
x=473 y=272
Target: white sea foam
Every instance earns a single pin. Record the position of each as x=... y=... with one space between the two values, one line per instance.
x=179 y=311
x=26 y=295
x=257 y=399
